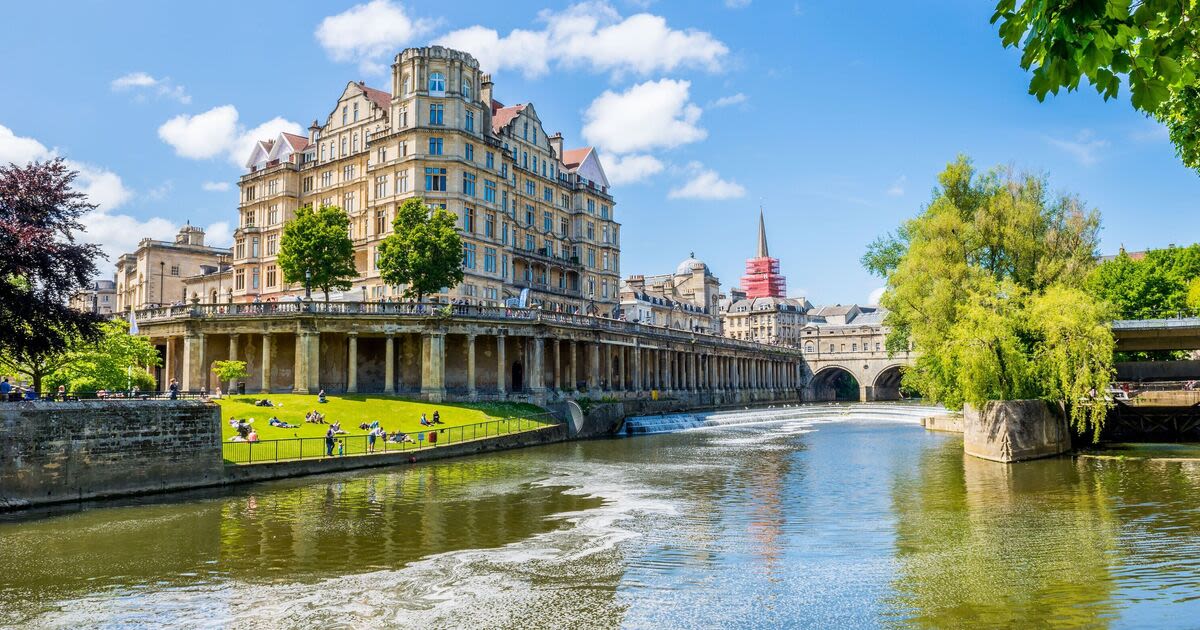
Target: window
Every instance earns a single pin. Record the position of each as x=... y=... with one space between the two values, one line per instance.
x=489 y=190
x=401 y=182
x=327 y=178
x=466 y=89
x=562 y=226
x=529 y=242
x=808 y=347
x=469 y=220
x=343 y=153
x=469 y=184
x=271 y=276
x=347 y=172
x=380 y=221
x=591 y=205
x=375 y=259
x=525 y=131
x=528 y=214
x=503 y=265
x=469 y=255
x=435 y=146
x=322 y=152
x=381 y=155
x=174 y=270
x=273 y=214
x=306 y=184
x=273 y=187
x=490 y=159
x=272 y=242
x=381 y=186
x=530 y=188
x=547 y=221
x=437 y=84
x=403 y=149
x=248 y=221
x=591 y=257
x=489 y=224
x=435 y=179
x=535 y=163
x=605 y=260
x=239 y=279
x=504 y=233
x=354 y=145
x=405 y=85
x=504 y=171
x=470 y=124
x=356 y=112
x=489 y=259
x=403 y=117
x=469 y=152
x=348 y=202
x=250 y=193
x=254 y=278
x=436 y=110
x=525 y=160
x=603 y=211
x=591 y=231
x=343 y=114
x=548 y=195
x=504 y=200
x=239 y=248
x=254 y=247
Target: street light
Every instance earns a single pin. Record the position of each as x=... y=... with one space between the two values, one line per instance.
x=308 y=285
x=162 y=269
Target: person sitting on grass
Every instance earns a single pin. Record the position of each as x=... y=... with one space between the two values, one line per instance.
x=321 y=397
x=437 y=417
x=425 y=421
x=276 y=422
x=253 y=436
x=263 y=403
x=337 y=428
x=401 y=437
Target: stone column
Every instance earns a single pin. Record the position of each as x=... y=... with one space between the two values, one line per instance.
x=558 y=377
x=471 y=366
x=265 y=384
x=433 y=366
x=389 y=367
x=537 y=361
x=712 y=373
x=573 y=378
x=300 y=371
x=233 y=356
x=637 y=366
x=501 y=366
x=193 y=362
x=314 y=362
x=352 y=364
x=593 y=376
x=622 y=367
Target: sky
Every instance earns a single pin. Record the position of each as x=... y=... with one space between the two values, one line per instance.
x=834 y=117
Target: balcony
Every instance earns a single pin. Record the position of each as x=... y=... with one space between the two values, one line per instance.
x=547 y=288
x=546 y=258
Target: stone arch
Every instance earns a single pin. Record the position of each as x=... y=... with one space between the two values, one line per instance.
x=834 y=382
x=887 y=383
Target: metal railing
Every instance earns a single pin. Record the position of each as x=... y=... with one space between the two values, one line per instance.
x=107 y=396
x=290 y=449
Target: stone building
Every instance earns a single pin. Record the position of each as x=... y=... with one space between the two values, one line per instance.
x=688 y=299
x=533 y=214
x=101 y=298
x=155 y=272
x=770 y=320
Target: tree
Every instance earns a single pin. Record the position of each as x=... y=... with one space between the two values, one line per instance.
x=317 y=243
x=424 y=250
x=986 y=285
x=1157 y=285
x=42 y=263
x=116 y=360
x=1154 y=43
x=231 y=371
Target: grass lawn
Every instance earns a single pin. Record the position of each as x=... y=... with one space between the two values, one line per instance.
x=394 y=414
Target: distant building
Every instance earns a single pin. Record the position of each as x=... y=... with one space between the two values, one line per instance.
x=155 y=273
x=841 y=329
x=688 y=299
x=759 y=310
x=762 y=277
x=101 y=298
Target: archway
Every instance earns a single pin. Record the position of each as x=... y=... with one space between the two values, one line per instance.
x=887 y=384
x=834 y=383
x=518 y=376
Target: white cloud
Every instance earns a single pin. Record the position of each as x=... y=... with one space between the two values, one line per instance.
x=875 y=296
x=627 y=169
x=369 y=33
x=737 y=4
x=594 y=36
x=217 y=132
x=706 y=184
x=1085 y=148
x=144 y=84
x=654 y=114
x=897 y=187
x=726 y=101
x=215 y=186
x=219 y=234
x=118 y=234
x=103 y=187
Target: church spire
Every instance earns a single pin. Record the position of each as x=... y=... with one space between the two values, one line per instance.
x=762 y=235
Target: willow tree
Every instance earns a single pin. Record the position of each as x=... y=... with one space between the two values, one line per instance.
x=985 y=284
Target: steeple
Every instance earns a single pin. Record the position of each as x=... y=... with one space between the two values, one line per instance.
x=762 y=235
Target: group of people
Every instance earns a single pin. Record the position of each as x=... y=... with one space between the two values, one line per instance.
x=245 y=430
x=313 y=417
x=437 y=419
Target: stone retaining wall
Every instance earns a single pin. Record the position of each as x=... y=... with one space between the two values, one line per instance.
x=1015 y=430
x=947 y=422
x=55 y=452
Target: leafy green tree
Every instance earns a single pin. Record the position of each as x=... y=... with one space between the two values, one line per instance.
x=972 y=281
x=317 y=242
x=1193 y=294
x=1154 y=286
x=231 y=371
x=115 y=361
x=424 y=251
x=1154 y=43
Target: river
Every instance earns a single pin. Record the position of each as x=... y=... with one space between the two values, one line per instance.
x=842 y=517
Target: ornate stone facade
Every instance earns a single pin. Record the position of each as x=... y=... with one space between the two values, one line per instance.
x=688 y=299
x=155 y=273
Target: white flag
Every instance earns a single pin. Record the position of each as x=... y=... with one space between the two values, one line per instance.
x=133 y=329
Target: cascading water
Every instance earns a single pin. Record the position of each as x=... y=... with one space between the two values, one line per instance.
x=669 y=423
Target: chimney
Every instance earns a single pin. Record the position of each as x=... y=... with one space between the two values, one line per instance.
x=556 y=145
x=485 y=90
x=313 y=130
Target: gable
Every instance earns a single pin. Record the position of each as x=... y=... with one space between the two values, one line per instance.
x=591 y=169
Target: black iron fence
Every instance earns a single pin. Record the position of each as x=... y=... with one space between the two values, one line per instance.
x=244 y=452
x=105 y=395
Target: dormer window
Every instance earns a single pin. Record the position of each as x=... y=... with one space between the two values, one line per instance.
x=437 y=84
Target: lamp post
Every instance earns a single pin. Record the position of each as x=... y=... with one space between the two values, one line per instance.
x=308 y=285
x=220 y=262
x=162 y=270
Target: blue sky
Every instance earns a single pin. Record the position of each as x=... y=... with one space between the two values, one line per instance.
x=835 y=116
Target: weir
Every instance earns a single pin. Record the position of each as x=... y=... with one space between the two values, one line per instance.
x=670 y=423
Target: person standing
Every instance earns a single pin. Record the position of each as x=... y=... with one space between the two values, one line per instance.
x=174 y=389
x=5 y=389
x=329 y=440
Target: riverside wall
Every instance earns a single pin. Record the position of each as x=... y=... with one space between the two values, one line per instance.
x=52 y=452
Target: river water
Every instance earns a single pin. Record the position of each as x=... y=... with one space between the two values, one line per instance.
x=846 y=517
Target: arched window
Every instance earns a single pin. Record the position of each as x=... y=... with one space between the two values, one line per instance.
x=466 y=89
x=437 y=84
x=808 y=347
x=356 y=112
x=322 y=152
x=404 y=86
x=343 y=114
x=343 y=145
